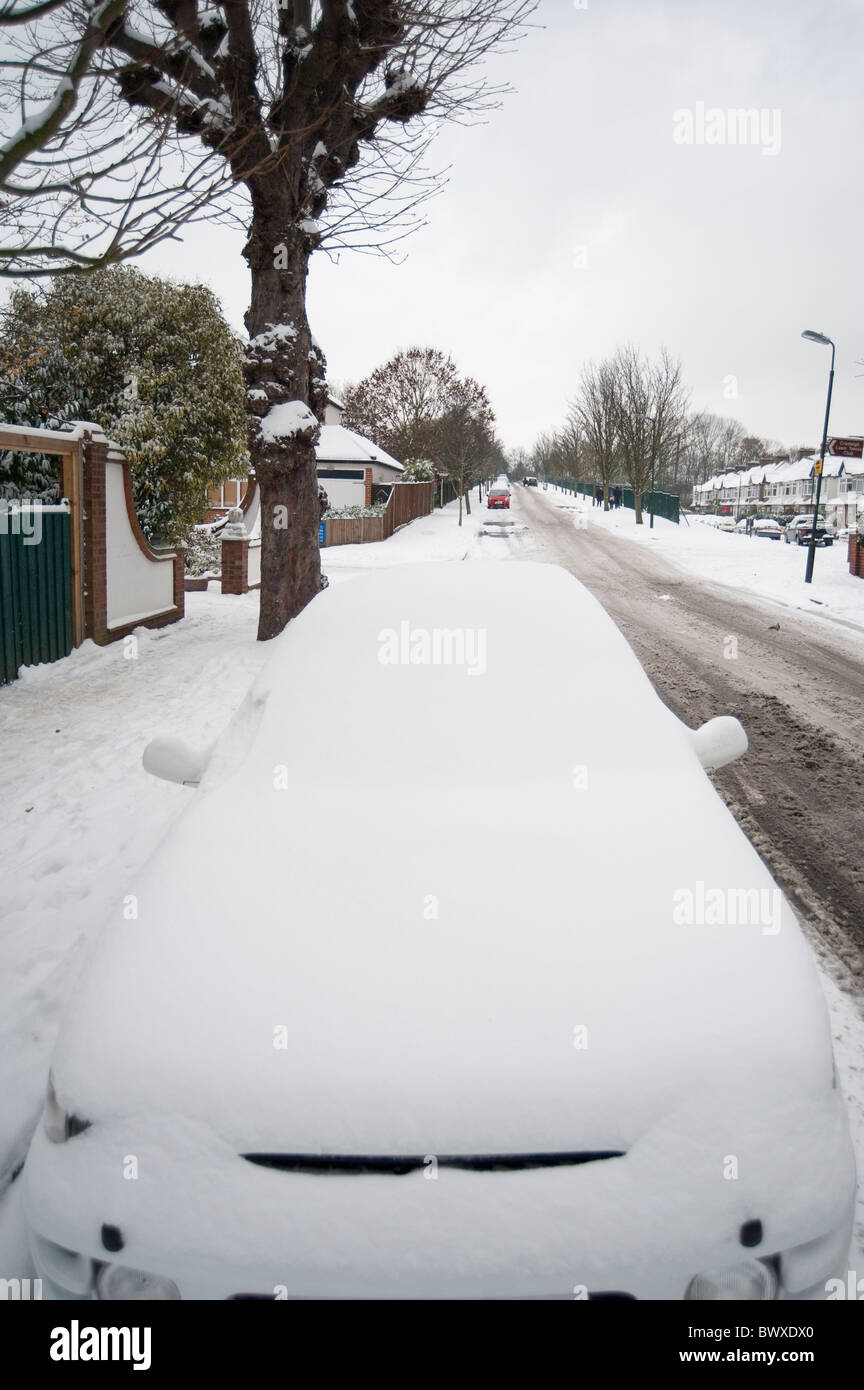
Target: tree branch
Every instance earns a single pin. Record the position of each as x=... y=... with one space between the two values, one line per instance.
x=35 y=133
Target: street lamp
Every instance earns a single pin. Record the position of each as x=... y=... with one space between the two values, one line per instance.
x=814 y=337
x=651 y=420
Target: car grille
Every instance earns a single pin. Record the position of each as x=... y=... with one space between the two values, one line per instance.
x=398 y=1165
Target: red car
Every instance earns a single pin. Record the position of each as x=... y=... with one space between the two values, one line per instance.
x=498 y=497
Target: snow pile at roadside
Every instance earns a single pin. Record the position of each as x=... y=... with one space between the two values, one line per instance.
x=770 y=569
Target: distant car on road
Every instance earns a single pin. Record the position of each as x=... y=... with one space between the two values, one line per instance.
x=530 y=481
x=800 y=529
x=498 y=496
x=583 y=1050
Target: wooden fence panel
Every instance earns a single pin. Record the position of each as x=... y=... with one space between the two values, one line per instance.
x=407 y=502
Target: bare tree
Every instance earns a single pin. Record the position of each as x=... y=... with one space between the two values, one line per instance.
x=399 y=405
x=465 y=441
x=650 y=407
x=595 y=416
x=308 y=121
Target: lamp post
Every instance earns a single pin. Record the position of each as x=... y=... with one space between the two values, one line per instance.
x=813 y=337
x=651 y=420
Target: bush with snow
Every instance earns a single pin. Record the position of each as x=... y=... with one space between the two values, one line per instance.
x=344 y=513
x=151 y=361
x=204 y=553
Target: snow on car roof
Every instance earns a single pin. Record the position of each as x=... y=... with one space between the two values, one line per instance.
x=421 y=980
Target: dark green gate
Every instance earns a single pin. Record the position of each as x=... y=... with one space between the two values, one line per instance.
x=35 y=587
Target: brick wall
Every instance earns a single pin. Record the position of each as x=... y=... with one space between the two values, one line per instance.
x=95 y=455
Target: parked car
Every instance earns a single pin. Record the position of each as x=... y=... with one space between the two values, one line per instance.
x=767 y=526
x=800 y=528
x=498 y=496
x=726 y=523
x=342 y=1062
x=530 y=481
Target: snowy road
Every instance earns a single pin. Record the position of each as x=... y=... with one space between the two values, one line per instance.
x=799 y=692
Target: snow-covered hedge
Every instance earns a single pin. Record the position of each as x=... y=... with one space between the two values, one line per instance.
x=203 y=553
x=340 y=513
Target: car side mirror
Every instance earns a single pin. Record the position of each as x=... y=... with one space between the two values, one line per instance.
x=174 y=761
x=719 y=741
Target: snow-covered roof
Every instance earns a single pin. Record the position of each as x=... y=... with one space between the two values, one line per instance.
x=340 y=445
x=783 y=471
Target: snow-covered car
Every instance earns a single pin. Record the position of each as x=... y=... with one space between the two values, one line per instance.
x=530 y=481
x=328 y=1055
x=800 y=529
x=766 y=526
x=726 y=523
x=498 y=497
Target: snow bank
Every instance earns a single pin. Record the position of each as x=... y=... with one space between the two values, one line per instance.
x=752 y=564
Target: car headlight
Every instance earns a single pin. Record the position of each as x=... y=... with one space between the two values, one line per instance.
x=117 y=1283
x=750 y=1281
x=58 y=1125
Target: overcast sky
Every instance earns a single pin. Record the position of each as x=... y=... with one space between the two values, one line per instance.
x=574 y=220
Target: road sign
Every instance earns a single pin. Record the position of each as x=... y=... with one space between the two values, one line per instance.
x=817 y=469
x=847 y=448
x=322 y=532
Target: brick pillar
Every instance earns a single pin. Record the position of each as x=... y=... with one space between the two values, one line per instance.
x=180 y=581
x=368 y=472
x=93 y=460
x=856 y=556
x=235 y=554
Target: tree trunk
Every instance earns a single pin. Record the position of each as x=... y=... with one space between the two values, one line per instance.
x=637 y=507
x=283 y=366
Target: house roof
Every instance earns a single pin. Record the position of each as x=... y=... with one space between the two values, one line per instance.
x=340 y=445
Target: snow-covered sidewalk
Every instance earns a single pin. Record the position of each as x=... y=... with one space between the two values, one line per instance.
x=79 y=815
x=754 y=565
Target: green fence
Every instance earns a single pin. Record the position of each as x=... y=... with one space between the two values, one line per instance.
x=666 y=504
x=35 y=587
